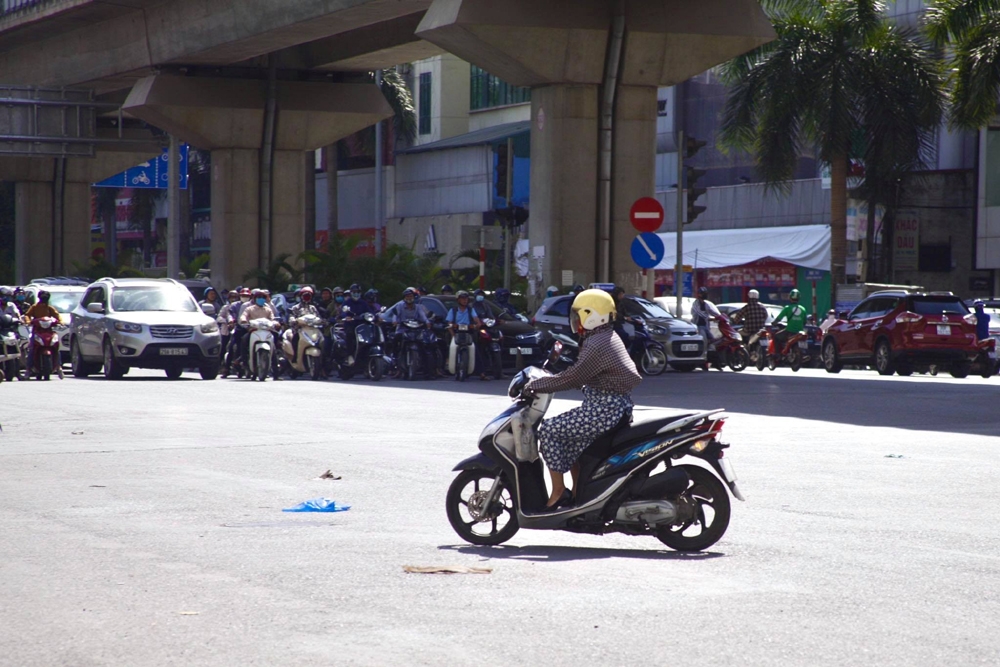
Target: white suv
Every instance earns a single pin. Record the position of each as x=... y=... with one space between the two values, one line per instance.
x=142 y=323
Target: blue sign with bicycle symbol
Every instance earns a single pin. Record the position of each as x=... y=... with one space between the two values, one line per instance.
x=151 y=174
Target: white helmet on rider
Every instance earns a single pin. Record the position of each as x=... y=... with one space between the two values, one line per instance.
x=753 y=295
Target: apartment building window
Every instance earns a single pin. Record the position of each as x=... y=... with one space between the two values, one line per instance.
x=424 y=112
x=487 y=90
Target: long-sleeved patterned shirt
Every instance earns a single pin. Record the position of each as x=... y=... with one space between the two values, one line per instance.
x=754 y=317
x=603 y=364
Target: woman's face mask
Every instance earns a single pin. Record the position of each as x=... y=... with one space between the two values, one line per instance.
x=480 y=298
x=261 y=301
x=339 y=298
x=355 y=295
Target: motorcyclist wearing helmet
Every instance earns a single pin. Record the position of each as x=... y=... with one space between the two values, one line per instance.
x=304 y=307
x=463 y=314
x=703 y=312
x=259 y=308
x=40 y=309
x=502 y=298
x=227 y=325
x=354 y=306
x=551 y=291
x=618 y=293
x=371 y=296
x=409 y=310
x=325 y=305
x=7 y=306
x=982 y=321
x=795 y=315
x=753 y=316
x=479 y=305
x=447 y=289
x=211 y=297
x=21 y=300
x=607 y=376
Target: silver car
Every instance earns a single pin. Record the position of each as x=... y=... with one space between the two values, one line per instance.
x=142 y=323
x=684 y=345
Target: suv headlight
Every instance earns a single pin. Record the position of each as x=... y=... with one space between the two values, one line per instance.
x=128 y=327
x=210 y=327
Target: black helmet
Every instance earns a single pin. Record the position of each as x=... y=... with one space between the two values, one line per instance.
x=354 y=288
x=479 y=292
x=447 y=289
x=43 y=296
x=409 y=291
x=703 y=291
x=371 y=295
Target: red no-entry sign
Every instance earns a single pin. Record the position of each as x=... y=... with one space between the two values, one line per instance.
x=646 y=214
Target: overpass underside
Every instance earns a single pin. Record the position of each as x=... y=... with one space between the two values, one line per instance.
x=261 y=84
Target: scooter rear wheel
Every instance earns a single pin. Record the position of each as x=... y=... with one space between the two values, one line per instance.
x=705 y=491
x=473 y=522
x=739 y=360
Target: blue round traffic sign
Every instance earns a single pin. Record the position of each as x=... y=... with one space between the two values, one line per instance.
x=647 y=250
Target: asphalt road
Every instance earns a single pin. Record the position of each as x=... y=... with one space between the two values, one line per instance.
x=141 y=525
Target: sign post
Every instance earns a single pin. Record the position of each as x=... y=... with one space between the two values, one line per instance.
x=679 y=264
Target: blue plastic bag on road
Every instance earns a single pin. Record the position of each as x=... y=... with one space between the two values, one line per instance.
x=318 y=505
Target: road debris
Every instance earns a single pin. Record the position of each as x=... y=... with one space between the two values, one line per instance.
x=894 y=456
x=189 y=613
x=446 y=569
x=318 y=505
x=329 y=475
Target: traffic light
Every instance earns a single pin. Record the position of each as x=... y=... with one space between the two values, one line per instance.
x=500 y=171
x=692 y=146
x=693 y=193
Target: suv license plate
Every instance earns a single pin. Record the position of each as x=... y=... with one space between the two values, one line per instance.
x=173 y=351
x=689 y=347
x=943 y=330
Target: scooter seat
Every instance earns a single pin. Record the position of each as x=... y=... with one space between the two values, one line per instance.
x=644 y=429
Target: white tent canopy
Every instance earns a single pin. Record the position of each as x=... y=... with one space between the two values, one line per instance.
x=804 y=245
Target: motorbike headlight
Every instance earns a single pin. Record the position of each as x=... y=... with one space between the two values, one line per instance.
x=128 y=327
x=210 y=327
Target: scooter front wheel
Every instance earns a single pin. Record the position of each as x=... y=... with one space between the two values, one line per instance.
x=467 y=512
x=739 y=360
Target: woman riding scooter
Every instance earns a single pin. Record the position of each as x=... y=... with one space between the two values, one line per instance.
x=607 y=376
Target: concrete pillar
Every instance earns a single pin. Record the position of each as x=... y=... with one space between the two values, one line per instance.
x=633 y=175
x=564 y=180
x=234 y=214
x=226 y=116
x=32 y=230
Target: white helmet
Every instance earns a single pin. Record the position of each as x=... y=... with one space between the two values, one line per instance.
x=753 y=294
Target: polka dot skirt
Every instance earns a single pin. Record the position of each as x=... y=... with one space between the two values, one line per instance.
x=564 y=437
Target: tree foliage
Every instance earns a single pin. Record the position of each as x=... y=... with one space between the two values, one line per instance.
x=970 y=29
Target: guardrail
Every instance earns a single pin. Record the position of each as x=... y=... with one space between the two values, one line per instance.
x=13 y=6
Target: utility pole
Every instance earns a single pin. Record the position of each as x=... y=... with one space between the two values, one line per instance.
x=510 y=208
x=174 y=209
x=379 y=186
x=679 y=266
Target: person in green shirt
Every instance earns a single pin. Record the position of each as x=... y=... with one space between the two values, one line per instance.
x=795 y=315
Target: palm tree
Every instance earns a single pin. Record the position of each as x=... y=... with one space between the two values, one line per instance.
x=838 y=76
x=972 y=29
x=279 y=274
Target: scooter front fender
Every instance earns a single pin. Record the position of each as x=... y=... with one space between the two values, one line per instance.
x=478 y=462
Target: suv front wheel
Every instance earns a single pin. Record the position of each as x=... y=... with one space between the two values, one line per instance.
x=113 y=369
x=831 y=360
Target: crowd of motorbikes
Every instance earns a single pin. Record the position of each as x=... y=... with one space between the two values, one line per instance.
x=770 y=347
x=366 y=346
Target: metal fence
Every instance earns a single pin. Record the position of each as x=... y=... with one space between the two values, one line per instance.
x=12 y=6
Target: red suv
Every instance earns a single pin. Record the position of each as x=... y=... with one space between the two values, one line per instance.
x=897 y=331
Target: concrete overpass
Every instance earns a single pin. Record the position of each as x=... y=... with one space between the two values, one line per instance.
x=259 y=83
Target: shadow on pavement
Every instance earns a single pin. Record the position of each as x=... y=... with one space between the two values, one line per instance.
x=858 y=398
x=552 y=554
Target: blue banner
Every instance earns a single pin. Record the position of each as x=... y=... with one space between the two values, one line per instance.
x=152 y=174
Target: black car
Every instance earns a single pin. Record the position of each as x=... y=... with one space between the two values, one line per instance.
x=518 y=335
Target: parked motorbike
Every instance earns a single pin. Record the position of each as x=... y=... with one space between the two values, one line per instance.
x=10 y=348
x=728 y=349
x=649 y=355
x=490 y=338
x=462 y=352
x=45 y=355
x=687 y=507
x=794 y=353
x=261 y=348
x=309 y=360
x=986 y=361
